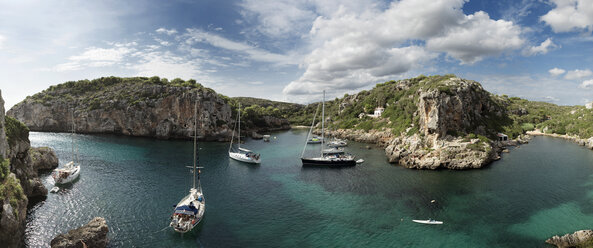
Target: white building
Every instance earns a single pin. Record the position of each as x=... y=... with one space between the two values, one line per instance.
x=589 y=105
x=378 y=112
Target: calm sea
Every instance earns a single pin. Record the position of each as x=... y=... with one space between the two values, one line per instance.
x=537 y=190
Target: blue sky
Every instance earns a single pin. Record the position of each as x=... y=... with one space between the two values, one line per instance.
x=291 y=50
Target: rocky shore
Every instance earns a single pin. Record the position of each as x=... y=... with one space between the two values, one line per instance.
x=417 y=153
x=582 y=238
x=93 y=234
x=19 y=164
x=583 y=142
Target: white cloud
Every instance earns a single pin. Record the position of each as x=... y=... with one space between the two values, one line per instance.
x=256 y=83
x=543 y=48
x=586 y=84
x=556 y=71
x=115 y=54
x=469 y=43
x=166 y=31
x=2 y=39
x=577 y=74
x=167 y=65
x=253 y=53
x=570 y=15
x=352 y=48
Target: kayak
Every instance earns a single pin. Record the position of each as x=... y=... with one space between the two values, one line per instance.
x=430 y=222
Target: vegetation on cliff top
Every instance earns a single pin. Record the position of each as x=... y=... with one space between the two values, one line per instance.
x=15 y=130
x=107 y=92
x=551 y=118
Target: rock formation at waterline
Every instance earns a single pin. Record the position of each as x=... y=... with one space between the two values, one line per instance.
x=149 y=107
x=18 y=178
x=582 y=238
x=93 y=234
x=445 y=122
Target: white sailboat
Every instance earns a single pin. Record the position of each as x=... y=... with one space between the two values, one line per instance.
x=328 y=157
x=71 y=170
x=190 y=210
x=239 y=153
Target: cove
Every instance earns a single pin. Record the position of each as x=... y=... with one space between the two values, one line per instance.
x=538 y=190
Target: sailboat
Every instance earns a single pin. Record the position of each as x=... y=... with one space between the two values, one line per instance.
x=190 y=210
x=242 y=154
x=71 y=170
x=328 y=157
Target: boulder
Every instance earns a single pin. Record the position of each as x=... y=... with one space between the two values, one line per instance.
x=93 y=234
x=43 y=158
x=582 y=238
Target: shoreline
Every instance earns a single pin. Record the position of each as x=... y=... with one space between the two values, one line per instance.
x=588 y=143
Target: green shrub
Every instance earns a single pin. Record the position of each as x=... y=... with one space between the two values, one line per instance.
x=15 y=130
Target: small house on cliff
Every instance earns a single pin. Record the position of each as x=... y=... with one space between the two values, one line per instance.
x=502 y=137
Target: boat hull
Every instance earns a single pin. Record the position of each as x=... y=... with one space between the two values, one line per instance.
x=327 y=163
x=428 y=222
x=70 y=178
x=242 y=158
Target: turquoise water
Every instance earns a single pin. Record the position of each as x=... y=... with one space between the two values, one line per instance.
x=536 y=191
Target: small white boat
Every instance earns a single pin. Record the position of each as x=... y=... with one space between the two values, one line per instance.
x=67 y=174
x=337 y=143
x=429 y=221
x=245 y=155
x=54 y=189
x=266 y=138
x=360 y=161
x=71 y=170
x=314 y=140
x=242 y=154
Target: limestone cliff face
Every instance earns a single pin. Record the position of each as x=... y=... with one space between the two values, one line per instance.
x=133 y=109
x=441 y=122
x=459 y=105
x=18 y=177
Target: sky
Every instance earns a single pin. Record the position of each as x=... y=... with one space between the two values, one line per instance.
x=292 y=50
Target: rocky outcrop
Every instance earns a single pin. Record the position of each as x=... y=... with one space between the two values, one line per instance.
x=582 y=238
x=13 y=202
x=21 y=163
x=43 y=158
x=458 y=106
x=93 y=234
x=18 y=177
x=165 y=112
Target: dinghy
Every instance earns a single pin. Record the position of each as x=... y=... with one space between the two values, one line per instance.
x=429 y=221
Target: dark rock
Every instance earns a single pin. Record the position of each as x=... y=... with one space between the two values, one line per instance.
x=93 y=234
x=43 y=158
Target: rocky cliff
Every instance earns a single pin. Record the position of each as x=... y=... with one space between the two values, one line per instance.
x=150 y=107
x=18 y=178
x=428 y=122
x=128 y=106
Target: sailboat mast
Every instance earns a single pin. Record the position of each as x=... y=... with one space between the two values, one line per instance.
x=195 y=138
x=239 y=138
x=322 y=124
